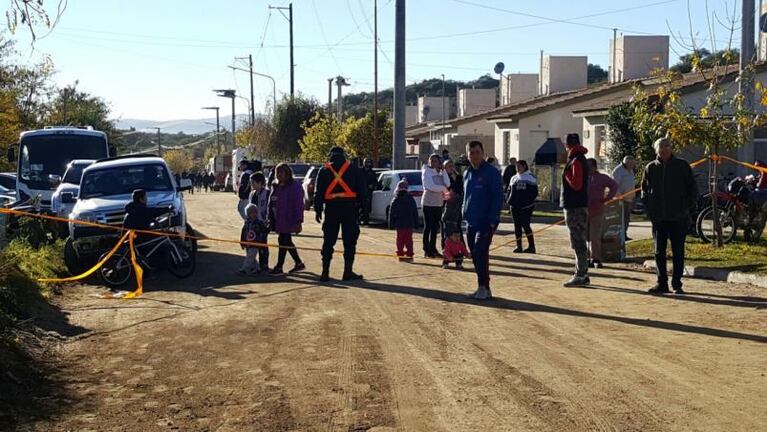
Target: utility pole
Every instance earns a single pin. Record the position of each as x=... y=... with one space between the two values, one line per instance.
x=252 y=101
x=340 y=82
x=540 y=76
x=229 y=93
x=159 y=144
x=375 y=82
x=442 y=141
x=274 y=87
x=218 y=127
x=292 y=64
x=746 y=153
x=398 y=146
x=330 y=94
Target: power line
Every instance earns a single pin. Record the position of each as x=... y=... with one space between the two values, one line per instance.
x=324 y=37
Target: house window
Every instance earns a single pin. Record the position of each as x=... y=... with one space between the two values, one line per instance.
x=506 y=145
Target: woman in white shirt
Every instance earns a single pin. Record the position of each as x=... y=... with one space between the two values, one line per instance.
x=435 y=186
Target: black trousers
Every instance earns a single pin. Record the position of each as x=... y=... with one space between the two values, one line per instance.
x=662 y=232
x=286 y=247
x=522 y=218
x=343 y=217
x=432 y=217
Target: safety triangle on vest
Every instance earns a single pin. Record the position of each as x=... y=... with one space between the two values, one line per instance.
x=338 y=181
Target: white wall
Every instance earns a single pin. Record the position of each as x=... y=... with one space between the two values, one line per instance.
x=638 y=56
x=435 y=108
x=474 y=101
x=518 y=87
x=563 y=73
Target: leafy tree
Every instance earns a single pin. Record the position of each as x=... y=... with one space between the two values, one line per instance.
x=9 y=126
x=702 y=58
x=624 y=138
x=357 y=136
x=178 y=161
x=289 y=118
x=595 y=74
x=71 y=107
x=32 y=14
x=321 y=133
x=259 y=138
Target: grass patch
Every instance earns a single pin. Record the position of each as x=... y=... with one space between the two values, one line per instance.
x=738 y=255
x=20 y=267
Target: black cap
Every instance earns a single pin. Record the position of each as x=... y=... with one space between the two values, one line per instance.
x=336 y=150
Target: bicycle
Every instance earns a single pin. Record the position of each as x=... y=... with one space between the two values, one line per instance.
x=179 y=256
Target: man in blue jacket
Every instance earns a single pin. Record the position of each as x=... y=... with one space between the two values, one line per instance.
x=483 y=194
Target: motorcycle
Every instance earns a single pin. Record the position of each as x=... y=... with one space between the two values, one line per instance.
x=735 y=210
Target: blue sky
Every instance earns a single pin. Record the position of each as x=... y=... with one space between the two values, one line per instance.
x=160 y=59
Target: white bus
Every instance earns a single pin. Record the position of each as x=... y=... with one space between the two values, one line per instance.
x=43 y=156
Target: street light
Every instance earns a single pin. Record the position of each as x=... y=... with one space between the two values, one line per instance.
x=231 y=94
x=274 y=84
x=218 y=127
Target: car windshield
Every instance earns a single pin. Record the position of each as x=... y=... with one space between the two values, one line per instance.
x=413 y=178
x=43 y=155
x=299 y=170
x=124 y=180
x=74 y=173
x=8 y=181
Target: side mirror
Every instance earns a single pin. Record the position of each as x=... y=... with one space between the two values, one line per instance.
x=68 y=198
x=11 y=154
x=54 y=178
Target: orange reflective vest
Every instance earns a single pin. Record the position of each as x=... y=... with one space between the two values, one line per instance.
x=338 y=181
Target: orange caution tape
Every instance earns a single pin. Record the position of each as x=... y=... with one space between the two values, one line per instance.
x=92 y=269
x=745 y=164
x=136 y=269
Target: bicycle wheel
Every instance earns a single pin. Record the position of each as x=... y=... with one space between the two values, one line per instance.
x=118 y=269
x=180 y=259
x=705 y=225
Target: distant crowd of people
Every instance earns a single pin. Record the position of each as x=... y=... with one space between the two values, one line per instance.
x=201 y=181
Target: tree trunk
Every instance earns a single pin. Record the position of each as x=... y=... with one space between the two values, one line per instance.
x=714 y=191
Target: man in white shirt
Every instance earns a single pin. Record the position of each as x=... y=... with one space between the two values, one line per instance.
x=624 y=175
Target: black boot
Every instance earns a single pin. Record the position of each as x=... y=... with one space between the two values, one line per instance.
x=325 y=277
x=519 y=246
x=531 y=244
x=349 y=275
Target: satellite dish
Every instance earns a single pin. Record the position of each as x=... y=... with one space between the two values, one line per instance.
x=499 y=67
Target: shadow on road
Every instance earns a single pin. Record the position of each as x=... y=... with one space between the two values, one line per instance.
x=521 y=306
x=747 y=302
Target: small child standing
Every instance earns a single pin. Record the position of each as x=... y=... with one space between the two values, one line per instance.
x=259 y=196
x=451 y=216
x=454 y=251
x=250 y=229
x=403 y=216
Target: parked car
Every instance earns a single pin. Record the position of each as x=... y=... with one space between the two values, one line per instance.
x=8 y=181
x=65 y=195
x=386 y=188
x=299 y=170
x=105 y=190
x=310 y=180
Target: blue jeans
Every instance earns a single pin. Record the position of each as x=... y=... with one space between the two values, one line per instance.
x=478 y=240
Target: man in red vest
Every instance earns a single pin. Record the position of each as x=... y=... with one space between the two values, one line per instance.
x=341 y=190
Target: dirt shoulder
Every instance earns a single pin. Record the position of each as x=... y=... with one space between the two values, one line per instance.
x=407 y=350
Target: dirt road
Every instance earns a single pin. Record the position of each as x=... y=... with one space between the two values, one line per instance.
x=406 y=350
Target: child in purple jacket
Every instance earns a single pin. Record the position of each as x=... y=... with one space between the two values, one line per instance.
x=286 y=214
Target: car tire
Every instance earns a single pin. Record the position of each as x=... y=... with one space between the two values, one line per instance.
x=193 y=242
x=73 y=262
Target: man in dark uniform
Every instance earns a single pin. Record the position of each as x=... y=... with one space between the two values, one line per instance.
x=371 y=179
x=341 y=190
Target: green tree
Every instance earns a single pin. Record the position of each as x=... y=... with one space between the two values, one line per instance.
x=703 y=58
x=321 y=133
x=357 y=136
x=178 y=161
x=71 y=107
x=289 y=117
x=595 y=74
x=623 y=136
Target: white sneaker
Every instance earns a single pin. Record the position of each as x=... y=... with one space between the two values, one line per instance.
x=481 y=294
x=577 y=281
